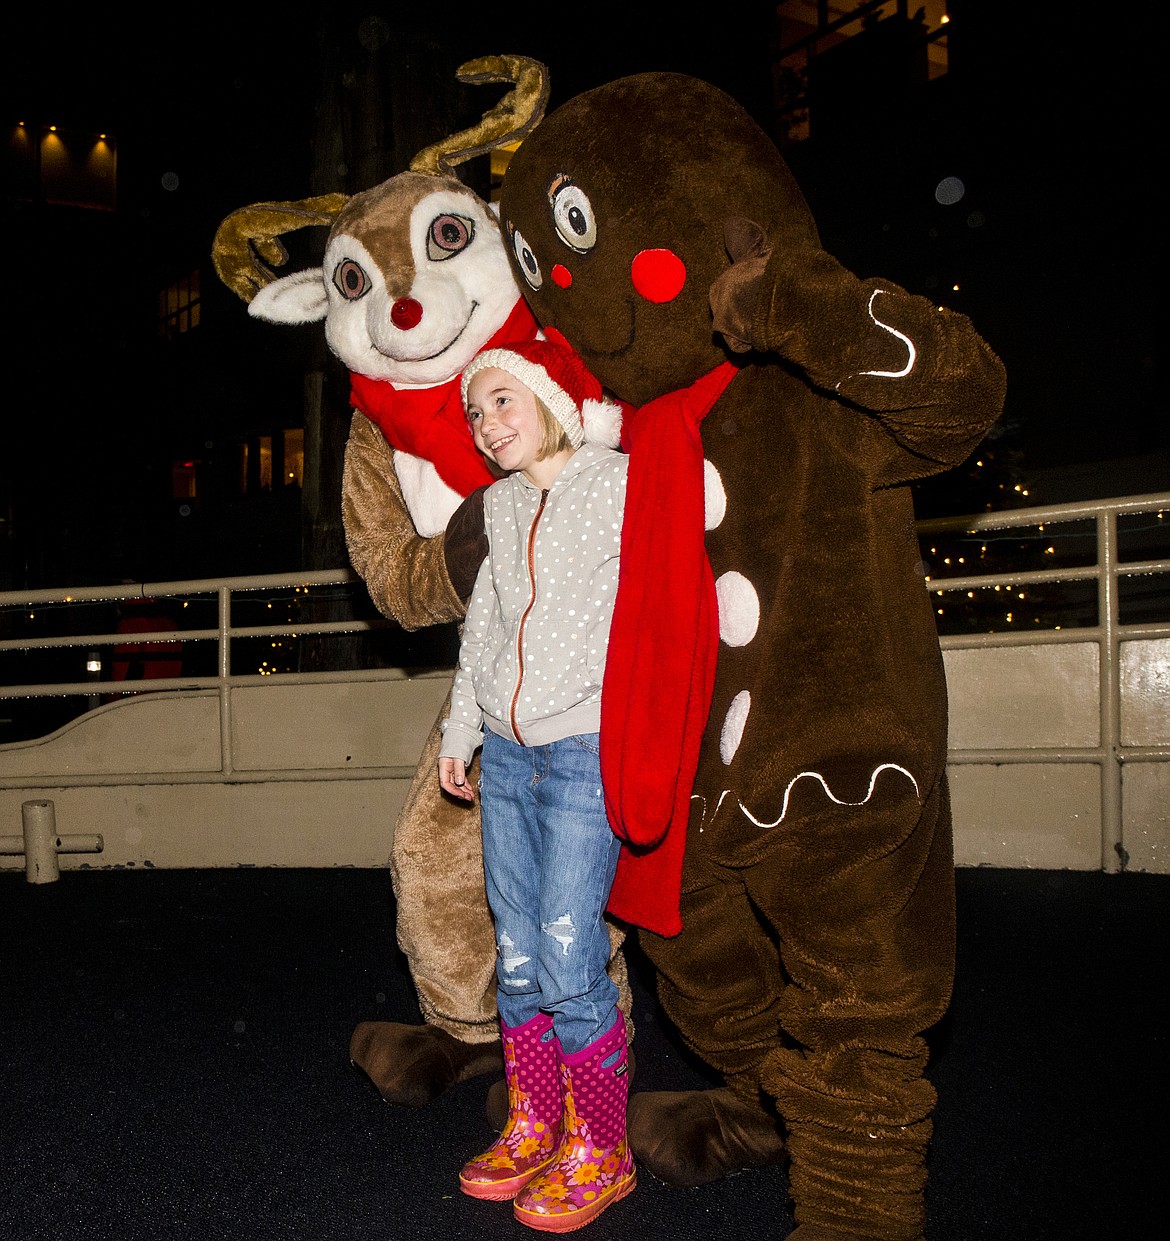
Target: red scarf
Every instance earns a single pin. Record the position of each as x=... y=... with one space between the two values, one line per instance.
x=660 y=666
x=430 y=422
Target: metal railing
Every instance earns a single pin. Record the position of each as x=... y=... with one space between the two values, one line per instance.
x=1106 y=573
x=1113 y=558
x=213 y=647
x=225 y=591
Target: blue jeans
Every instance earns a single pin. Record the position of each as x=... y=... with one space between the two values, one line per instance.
x=549 y=859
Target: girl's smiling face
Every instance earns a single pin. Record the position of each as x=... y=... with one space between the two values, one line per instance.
x=504 y=420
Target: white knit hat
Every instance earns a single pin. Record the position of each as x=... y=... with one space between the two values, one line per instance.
x=554 y=373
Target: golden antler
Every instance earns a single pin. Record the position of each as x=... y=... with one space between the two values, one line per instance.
x=516 y=115
x=247 y=243
x=247 y=246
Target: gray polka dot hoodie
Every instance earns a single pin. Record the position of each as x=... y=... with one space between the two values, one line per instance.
x=534 y=642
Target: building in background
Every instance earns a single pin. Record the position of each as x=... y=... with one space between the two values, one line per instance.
x=979 y=153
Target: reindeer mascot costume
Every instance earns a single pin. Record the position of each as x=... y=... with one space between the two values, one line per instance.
x=774 y=696
x=415 y=281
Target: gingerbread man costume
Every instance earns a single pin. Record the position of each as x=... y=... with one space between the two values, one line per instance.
x=777 y=769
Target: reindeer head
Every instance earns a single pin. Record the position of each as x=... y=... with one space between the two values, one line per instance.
x=414 y=281
x=415 y=278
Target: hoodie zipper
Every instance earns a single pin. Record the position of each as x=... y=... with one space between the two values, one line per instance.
x=524 y=618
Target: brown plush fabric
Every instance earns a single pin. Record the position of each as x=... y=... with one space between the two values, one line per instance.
x=465 y=544
x=818 y=886
x=413 y=1065
x=405 y=573
x=701 y=1136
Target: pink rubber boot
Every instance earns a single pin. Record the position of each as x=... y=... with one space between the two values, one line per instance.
x=593 y=1167
x=532 y=1134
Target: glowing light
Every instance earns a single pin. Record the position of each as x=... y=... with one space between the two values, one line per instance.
x=949 y=191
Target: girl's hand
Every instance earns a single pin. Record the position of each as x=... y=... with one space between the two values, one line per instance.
x=453 y=779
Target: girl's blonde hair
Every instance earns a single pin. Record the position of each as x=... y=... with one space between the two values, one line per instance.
x=553 y=434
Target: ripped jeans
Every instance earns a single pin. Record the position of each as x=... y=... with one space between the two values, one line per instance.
x=549 y=860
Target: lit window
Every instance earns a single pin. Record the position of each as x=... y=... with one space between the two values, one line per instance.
x=68 y=167
x=183 y=480
x=264 y=461
x=294 y=456
x=178 y=307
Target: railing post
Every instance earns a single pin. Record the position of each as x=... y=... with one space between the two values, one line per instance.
x=1112 y=843
x=225 y=682
x=39 y=821
x=40 y=844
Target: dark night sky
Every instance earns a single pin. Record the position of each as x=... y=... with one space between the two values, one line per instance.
x=1051 y=129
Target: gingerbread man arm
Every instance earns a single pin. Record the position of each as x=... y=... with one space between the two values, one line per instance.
x=931 y=385
x=406 y=574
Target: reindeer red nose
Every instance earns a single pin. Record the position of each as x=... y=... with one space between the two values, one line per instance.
x=405 y=313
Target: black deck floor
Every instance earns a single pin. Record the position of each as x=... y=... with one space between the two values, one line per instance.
x=174 y=1052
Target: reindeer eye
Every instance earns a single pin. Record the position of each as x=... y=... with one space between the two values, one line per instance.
x=573 y=217
x=529 y=267
x=351 y=281
x=448 y=235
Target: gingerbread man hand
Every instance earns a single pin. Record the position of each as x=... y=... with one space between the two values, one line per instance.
x=734 y=293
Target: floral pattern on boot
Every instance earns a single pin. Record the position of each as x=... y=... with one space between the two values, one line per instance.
x=593 y=1167
x=531 y=1137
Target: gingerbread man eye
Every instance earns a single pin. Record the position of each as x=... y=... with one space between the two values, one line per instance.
x=573 y=217
x=529 y=267
x=448 y=235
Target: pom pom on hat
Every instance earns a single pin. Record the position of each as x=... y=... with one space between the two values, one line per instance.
x=554 y=373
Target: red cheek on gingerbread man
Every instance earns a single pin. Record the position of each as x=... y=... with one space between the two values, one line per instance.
x=658 y=275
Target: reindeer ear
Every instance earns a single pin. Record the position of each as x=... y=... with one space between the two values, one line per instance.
x=299 y=298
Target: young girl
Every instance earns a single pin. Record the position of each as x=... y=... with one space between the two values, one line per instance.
x=528 y=689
